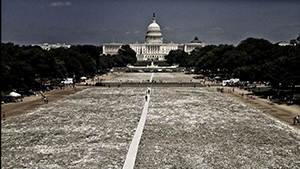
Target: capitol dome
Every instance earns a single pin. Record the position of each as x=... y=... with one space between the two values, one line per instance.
x=154 y=33
x=153 y=27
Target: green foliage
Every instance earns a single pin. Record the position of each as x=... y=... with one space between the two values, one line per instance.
x=127 y=55
x=20 y=66
x=177 y=56
x=161 y=63
x=142 y=63
x=252 y=60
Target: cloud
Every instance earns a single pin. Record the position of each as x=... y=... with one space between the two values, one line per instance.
x=58 y=4
x=294 y=24
x=167 y=28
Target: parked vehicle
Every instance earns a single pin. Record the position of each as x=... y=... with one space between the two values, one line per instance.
x=67 y=81
x=230 y=82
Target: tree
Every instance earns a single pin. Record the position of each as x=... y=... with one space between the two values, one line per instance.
x=93 y=52
x=293 y=42
x=127 y=55
x=177 y=56
x=232 y=59
x=105 y=62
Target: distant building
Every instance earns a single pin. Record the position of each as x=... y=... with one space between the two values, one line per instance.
x=111 y=48
x=188 y=47
x=284 y=43
x=47 y=46
x=153 y=48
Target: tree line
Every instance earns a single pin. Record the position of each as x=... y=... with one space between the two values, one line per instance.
x=25 y=67
x=251 y=60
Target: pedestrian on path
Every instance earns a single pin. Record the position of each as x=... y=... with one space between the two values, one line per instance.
x=295 y=120
x=45 y=100
x=3 y=114
x=146 y=97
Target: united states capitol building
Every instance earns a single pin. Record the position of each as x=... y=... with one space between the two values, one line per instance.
x=153 y=49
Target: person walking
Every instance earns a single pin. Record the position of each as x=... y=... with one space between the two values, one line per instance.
x=146 y=97
x=295 y=120
x=3 y=115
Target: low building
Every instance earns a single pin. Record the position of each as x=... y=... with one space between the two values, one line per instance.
x=284 y=43
x=47 y=46
x=111 y=48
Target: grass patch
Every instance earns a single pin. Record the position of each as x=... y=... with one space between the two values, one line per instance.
x=142 y=63
x=162 y=63
x=145 y=63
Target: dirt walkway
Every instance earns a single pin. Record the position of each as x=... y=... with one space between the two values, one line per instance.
x=282 y=112
x=103 y=77
x=30 y=103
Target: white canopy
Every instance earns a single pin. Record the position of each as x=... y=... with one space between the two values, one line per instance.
x=14 y=94
x=83 y=78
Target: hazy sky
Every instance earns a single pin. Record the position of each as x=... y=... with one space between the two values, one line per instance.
x=26 y=22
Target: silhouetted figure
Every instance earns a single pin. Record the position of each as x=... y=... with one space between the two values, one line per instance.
x=3 y=115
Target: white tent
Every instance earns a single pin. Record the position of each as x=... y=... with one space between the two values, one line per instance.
x=14 y=94
x=83 y=78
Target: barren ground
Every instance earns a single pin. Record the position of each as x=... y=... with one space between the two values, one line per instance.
x=185 y=128
x=283 y=112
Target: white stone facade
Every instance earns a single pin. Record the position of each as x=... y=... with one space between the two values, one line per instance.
x=283 y=43
x=111 y=48
x=47 y=46
x=153 y=48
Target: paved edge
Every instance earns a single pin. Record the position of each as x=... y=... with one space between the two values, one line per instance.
x=133 y=149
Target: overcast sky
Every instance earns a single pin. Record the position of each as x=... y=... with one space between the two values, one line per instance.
x=94 y=22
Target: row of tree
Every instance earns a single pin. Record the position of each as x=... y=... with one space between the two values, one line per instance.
x=25 y=67
x=252 y=60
